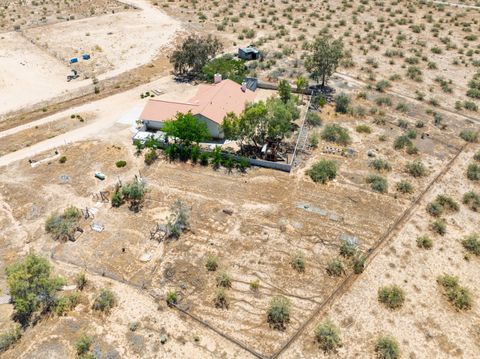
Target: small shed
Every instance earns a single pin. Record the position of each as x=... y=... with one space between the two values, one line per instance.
x=248 y=53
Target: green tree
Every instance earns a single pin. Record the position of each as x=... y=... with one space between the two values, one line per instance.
x=228 y=67
x=187 y=129
x=284 y=90
x=302 y=85
x=193 y=53
x=325 y=55
x=32 y=286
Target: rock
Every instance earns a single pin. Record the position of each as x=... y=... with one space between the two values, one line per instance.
x=163 y=339
x=371 y=153
x=228 y=211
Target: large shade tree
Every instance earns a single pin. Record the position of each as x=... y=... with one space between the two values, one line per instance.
x=261 y=122
x=193 y=53
x=186 y=129
x=32 y=286
x=325 y=55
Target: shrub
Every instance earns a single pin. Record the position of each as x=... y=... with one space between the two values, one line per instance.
x=117 y=199
x=424 y=242
x=380 y=165
x=377 y=183
x=447 y=202
x=404 y=187
x=327 y=336
x=212 y=263
x=473 y=172
x=348 y=248
x=387 y=348
x=278 y=314
x=416 y=169
x=342 y=102
x=224 y=280
x=392 y=296
x=402 y=142
x=62 y=159
x=171 y=297
x=472 y=244
x=221 y=299
x=460 y=297
x=63 y=226
x=65 y=304
x=435 y=209
x=298 y=262
x=254 y=285
x=382 y=85
x=104 y=301
x=439 y=226
x=336 y=133
x=358 y=263
x=469 y=136
x=323 y=171
x=476 y=156
x=472 y=200
x=150 y=156
x=10 y=337
x=83 y=344
x=313 y=119
x=81 y=280
x=363 y=129
x=335 y=267
x=121 y=163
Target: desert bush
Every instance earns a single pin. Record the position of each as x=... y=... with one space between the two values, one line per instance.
x=476 y=156
x=117 y=199
x=402 y=142
x=335 y=267
x=460 y=297
x=327 y=336
x=278 y=314
x=404 y=187
x=121 y=163
x=323 y=171
x=392 y=296
x=472 y=200
x=469 y=136
x=336 y=133
x=358 y=263
x=439 y=226
x=65 y=304
x=342 y=102
x=63 y=226
x=62 y=159
x=83 y=345
x=81 y=280
x=221 y=299
x=473 y=172
x=348 y=248
x=171 y=297
x=9 y=337
x=211 y=263
x=416 y=169
x=424 y=242
x=472 y=244
x=382 y=85
x=254 y=285
x=151 y=156
x=377 y=183
x=104 y=301
x=380 y=165
x=313 y=140
x=224 y=280
x=447 y=202
x=298 y=262
x=435 y=209
x=387 y=347
x=363 y=129
x=313 y=119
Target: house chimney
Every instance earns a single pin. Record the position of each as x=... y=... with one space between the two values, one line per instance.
x=244 y=86
x=217 y=78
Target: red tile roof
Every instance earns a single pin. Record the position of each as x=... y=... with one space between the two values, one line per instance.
x=211 y=101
